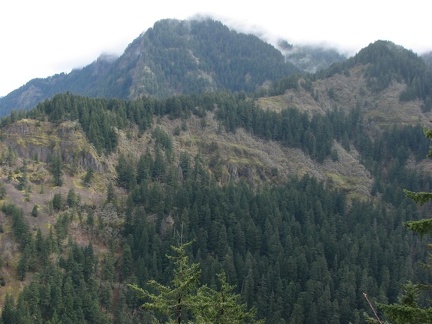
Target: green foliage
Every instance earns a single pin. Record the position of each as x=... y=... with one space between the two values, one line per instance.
x=20 y=227
x=422 y=227
x=126 y=263
x=163 y=139
x=298 y=252
x=184 y=295
x=419 y=197
x=22 y=182
x=10 y=157
x=386 y=62
x=111 y=196
x=88 y=177
x=2 y=191
x=57 y=201
x=108 y=267
x=125 y=172
x=176 y=299
x=225 y=54
x=223 y=305
x=72 y=198
x=290 y=127
x=66 y=293
x=62 y=226
x=9 y=311
x=35 y=211
x=408 y=309
x=262 y=239
x=56 y=170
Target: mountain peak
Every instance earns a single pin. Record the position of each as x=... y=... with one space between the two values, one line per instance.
x=173 y=57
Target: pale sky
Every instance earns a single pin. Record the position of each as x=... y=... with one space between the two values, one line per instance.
x=44 y=37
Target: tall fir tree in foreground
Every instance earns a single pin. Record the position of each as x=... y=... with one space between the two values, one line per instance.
x=184 y=300
x=409 y=309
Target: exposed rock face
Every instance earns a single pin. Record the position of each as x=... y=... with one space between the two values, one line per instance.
x=247 y=173
x=233 y=172
x=41 y=140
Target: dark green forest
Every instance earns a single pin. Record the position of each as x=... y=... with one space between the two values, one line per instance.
x=299 y=252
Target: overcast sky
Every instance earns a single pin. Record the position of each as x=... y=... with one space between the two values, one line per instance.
x=44 y=37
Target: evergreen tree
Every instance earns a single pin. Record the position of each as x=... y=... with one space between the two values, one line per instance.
x=223 y=305
x=185 y=296
x=57 y=201
x=126 y=262
x=175 y=300
x=111 y=196
x=22 y=181
x=408 y=309
x=88 y=177
x=35 y=211
x=108 y=268
x=2 y=191
x=9 y=315
x=72 y=198
x=56 y=169
x=125 y=168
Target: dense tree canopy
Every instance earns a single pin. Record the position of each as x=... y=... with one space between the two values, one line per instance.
x=185 y=296
x=297 y=252
x=410 y=308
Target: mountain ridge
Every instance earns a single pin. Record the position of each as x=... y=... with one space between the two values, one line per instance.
x=114 y=79
x=104 y=77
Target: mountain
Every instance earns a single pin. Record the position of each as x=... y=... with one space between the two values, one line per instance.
x=388 y=62
x=428 y=58
x=294 y=191
x=310 y=59
x=82 y=81
x=173 y=57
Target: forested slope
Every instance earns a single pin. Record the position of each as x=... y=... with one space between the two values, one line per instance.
x=295 y=192
x=298 y=249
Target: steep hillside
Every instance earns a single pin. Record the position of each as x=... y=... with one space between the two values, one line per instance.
x=350 y=90
x=388 y=63
x=114 y=182
x=295 y=192
x=29 y=150
x=238 y=154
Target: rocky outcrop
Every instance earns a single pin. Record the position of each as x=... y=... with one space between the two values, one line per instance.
x=37 y=140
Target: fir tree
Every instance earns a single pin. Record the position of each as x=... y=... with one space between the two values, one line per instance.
x=185 y=296
x=111 y=196
x=408 y=310
x=56 y=169
x=34 y=211
x=174 y=300
x=9 y=315
x=88 y=177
